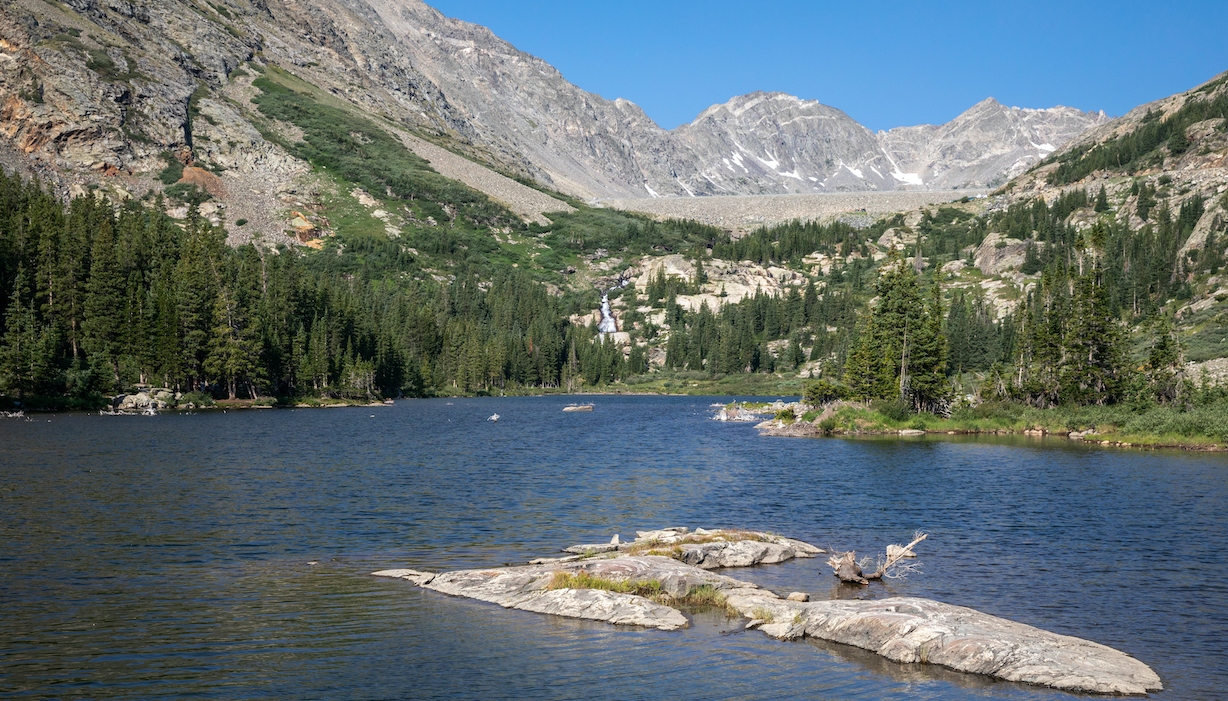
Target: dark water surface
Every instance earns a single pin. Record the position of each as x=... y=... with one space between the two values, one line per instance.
x=171 y=556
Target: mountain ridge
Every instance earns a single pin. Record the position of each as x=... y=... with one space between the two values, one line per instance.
x=126 y=81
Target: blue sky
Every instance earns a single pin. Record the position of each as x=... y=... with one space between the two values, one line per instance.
x=886 y=64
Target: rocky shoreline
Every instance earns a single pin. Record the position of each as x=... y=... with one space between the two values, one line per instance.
x=641 y=584
x=810 y=429
x=800 y=428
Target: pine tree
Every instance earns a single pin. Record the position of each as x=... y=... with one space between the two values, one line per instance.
x=1165 y=365
x=868 y=372
x=928 y=385
x=232 y=348
x=26 y=361
x=1102 y=200
x=102 y=323
x=1094 y=366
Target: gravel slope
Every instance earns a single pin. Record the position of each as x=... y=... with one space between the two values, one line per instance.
x=752 y=211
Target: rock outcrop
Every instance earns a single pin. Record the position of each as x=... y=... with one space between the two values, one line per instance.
x=913 y=630
x=906 y=630
x=527 y=588
x=707 y=549
x=103 y=89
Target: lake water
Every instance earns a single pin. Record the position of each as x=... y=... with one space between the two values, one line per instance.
x=227 y=555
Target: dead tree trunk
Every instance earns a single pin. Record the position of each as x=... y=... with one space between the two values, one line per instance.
x=846 y=568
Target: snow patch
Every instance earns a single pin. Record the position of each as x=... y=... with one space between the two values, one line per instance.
x=772 y=164
x=814 y=179
x=684 y=187
x=651 y=191
x=909 y=178
x=876 y=171
x=793 y=175
x=851 y=169
x=729 y=165
x=1047 y=148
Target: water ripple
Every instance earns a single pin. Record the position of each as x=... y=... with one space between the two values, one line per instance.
x=225 y=555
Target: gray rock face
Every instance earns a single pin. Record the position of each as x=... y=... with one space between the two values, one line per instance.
x=985 y=146
x=73 y=104
x=769 y=143
x=915 y=630
x=761 y=143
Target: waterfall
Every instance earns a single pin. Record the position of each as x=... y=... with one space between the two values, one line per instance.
x=608 y=323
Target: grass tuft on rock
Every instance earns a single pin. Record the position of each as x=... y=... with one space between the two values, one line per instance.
x=704 y=595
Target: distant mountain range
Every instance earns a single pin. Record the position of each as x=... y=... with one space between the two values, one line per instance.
x=91 y=86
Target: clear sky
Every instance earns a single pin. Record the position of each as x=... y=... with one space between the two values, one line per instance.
x=886 y=64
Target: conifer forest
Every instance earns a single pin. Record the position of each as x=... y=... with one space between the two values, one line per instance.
x=98 y=297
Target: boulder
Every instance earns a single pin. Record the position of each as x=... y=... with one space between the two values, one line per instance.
x=742 y=553
x=895 y=551
x=997 y=253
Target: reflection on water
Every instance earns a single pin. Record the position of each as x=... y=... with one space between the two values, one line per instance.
x=227 y=555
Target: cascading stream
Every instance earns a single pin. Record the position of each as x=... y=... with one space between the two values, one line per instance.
x=608 y=323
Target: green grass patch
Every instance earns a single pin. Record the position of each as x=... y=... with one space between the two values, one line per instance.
x=704 y=595
x=173 y=172
x=1156 y=425
x=354 y=148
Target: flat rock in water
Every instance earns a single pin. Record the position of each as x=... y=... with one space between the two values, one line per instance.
x=592 y=549
x=527 y=588
x=716 y=548
x=921 y=630
x=907 y=630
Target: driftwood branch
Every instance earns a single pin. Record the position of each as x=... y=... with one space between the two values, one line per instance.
x=845 y=566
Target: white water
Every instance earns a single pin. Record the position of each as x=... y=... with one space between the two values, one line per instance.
x=608 y=324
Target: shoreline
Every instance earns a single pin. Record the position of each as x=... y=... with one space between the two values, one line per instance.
x=846 y=420
x=1089 y=439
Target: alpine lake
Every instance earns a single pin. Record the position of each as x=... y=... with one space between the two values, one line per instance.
x=228 y=555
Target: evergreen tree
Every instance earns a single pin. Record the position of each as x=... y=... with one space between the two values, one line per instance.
x=1102 y=200
x=1094 y=367
x=102 y=322
x=927 y=362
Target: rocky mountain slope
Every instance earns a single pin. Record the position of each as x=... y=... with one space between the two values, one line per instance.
x=107 y=86
x=773 y=143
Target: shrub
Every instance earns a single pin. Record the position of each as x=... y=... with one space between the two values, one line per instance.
x=196 y=399
x=823 y=391
x=173 y=172
x=895 y=410
x=241 y=222
x=188 y=194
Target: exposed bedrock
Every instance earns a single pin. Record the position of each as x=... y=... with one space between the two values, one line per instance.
x=527 y=588
x=913 y=630
x=598 y=586
x=708 y=549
